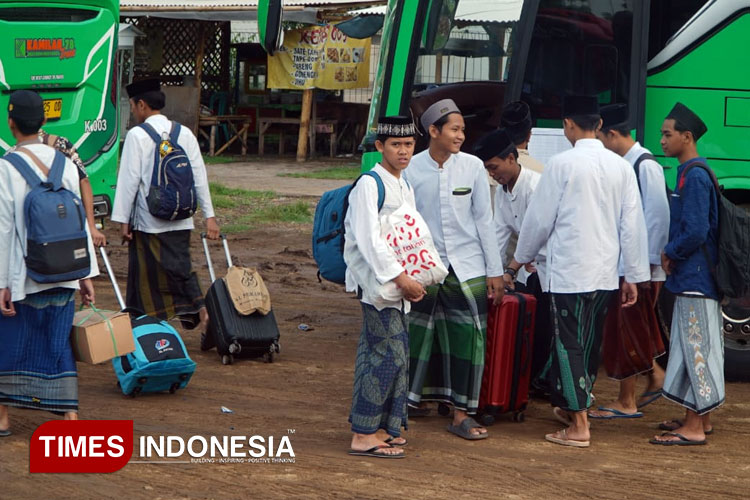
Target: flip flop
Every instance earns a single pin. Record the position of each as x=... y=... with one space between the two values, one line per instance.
x=615 y=414
x=464 y=430
x=390 y=440
x=565 y=441
x=373 y=452
x=676 y=424
x=681 y=441
x=5 y=433
x=651 y=395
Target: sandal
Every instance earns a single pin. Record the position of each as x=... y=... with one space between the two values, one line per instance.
x=680 y=441
x=565 y=441
x=650 y=398
x=464 y=429
x=673 y=425
x=391 y=439
x=373 y=452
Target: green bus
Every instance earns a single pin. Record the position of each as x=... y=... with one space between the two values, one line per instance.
x=648 y=54
x=65 y=50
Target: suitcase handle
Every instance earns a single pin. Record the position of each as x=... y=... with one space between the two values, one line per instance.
x=112 y=278
x=204 y=240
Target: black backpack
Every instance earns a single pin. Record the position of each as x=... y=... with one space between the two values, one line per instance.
x=732 y=273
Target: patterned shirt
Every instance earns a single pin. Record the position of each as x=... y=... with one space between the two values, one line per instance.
x=64 y=146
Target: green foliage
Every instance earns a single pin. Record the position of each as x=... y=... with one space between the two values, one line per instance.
x=336 y=173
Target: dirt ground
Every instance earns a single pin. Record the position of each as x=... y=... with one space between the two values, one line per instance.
x=305 y=394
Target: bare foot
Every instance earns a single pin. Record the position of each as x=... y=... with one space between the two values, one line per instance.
x=363 y=442
x=682 y=431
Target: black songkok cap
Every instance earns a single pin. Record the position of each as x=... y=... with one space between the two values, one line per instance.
x=142 y=86
x=682 y=115
x=25 y=105
x=396 y=126
x=580 y=105
x=516 y=118
x=496 y=143
x=614 y=115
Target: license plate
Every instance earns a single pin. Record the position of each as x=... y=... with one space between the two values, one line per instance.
x=52 y=108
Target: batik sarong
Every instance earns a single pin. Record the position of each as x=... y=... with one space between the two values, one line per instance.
x=447 y=339
x=578 y=322
x=37 y=368
x=695 y=372
x=161 y=281
x=381 y=372
x=632 y=336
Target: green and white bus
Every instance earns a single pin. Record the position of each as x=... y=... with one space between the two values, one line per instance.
x=647 y=54
x=65 y=50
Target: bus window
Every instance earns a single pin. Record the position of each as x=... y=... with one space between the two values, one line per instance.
x=666 y=18
x=578 y=46
x=472 y=52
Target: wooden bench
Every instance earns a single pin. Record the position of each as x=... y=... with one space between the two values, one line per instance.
x=325 y=127
x=234 y=121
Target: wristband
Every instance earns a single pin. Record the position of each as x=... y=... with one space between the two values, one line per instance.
x=512 y=272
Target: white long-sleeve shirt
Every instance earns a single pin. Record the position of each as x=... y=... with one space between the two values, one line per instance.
x=587 y=209
x=366 y=253
x=455 y=203
x=510 y=210
x=134 y=177
x=13 y=191
x=655 y=207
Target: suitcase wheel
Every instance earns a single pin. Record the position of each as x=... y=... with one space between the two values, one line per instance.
x=519 y=417
x=226 y=359
x=136 y=391
x=173 y=388
x=486 y=419
x=234 y=348
x=444 y=410
x=277 y=346
x=142 y=380
x=269 y=357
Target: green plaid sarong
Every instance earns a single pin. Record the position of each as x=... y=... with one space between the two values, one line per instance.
x=447 y=338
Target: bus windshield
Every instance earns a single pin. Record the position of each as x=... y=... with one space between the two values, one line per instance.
x=578 y=47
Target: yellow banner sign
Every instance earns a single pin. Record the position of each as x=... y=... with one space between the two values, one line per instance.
x=320 y=57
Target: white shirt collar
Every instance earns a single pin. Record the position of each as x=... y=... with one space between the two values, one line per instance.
x=589 y=143
x=633 y=153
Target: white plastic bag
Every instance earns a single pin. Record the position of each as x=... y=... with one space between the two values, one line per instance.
x=408 y=237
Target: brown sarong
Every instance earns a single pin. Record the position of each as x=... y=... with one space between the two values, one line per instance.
x=161 y=281
x=632 y=336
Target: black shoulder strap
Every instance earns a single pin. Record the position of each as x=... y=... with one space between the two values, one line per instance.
x=637 y=166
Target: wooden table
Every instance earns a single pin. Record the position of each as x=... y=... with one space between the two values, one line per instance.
x=233 y=121
x=325 y=127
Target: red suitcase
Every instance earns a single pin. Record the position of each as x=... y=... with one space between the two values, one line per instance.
x=507 y=365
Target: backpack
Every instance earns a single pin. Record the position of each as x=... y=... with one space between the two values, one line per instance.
x=56 y=240
x=171 y=195
x=732 y=273
x=328 y=229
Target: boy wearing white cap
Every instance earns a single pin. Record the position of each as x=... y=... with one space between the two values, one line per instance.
x=447 y=329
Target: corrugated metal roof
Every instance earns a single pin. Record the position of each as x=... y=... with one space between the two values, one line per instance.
x=484 y=11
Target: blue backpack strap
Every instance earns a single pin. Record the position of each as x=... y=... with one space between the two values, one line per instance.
x=56 y=171
x=381 y=188
x=23 y=168
x=174 y=134
x=151 y=132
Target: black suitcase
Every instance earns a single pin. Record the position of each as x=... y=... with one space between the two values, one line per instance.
x=232 y=333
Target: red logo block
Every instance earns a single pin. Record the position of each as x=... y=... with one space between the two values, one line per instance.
x=81 y=446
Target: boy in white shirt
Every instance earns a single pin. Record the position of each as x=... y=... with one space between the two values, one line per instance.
x=632 y=336
x=587 y=211
x=447 y=330
x=382 y=364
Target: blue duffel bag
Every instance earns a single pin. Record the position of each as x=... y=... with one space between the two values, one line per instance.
x=160 y=361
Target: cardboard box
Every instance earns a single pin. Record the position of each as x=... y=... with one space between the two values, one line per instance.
x=94 y=337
